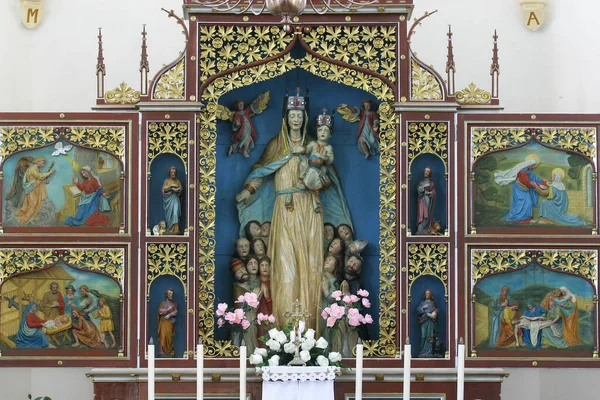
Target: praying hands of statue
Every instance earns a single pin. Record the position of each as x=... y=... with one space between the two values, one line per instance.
x=298 y=149
x=345 y=287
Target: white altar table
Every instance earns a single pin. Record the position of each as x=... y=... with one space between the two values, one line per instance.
x=298 y=383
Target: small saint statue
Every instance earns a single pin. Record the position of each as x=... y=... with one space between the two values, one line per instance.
x=367 y=135
x=244 y=133
x=425 y=204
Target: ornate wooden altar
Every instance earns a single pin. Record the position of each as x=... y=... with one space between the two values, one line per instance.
x=440 y=201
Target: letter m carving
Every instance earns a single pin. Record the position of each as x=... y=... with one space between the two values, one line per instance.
x=32 y=13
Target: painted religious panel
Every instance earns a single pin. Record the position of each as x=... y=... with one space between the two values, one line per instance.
x=65 y=300
x=304 y=206
x=525 y=180
x=62 y=179
x=539 y=303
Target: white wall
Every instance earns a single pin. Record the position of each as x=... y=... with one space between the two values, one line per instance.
x=52 y=68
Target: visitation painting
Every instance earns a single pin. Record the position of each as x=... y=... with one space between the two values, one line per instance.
x=534 y=186
x=61 y=186
x=60 y=308
x=534 y=308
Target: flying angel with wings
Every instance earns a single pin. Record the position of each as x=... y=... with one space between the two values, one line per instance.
x=368 y=127
x=244 y=134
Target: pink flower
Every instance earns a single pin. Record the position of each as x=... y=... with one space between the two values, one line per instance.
x=353 y=313
x=251 y=299
x=331 y=321
x=347 y=299
x=324 y=314
x=337 y=294
x=261 y=317
x=353 y=321
x=368 y=319
x=230 y=317
x=245 y=324
x=362 y=293
x=336 y=311
x=221 y=308
x=366 y=303
x=354 y=298
x=271 y=318
x=220 y=322
x=240 y=299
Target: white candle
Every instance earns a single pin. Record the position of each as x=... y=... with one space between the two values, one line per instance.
x=460 y=378
x=200 y=371
x=406 y=381
x=292 y=336
x=151 y=370
x=243 y=356
x=359 y=370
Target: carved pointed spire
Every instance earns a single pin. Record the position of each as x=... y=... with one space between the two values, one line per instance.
x=495 y=68
x=144 y=66
x=450 y=66
x=100 y=67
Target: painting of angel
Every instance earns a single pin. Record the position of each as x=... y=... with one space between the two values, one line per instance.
x=244 y=133
x=367 y=135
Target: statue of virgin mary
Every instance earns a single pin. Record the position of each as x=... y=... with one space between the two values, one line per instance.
x=271 y=193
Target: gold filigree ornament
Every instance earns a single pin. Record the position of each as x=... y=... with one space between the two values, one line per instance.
x=217 y=55
x=581 y=140
x=171 y=84
x=428 y=138
x=109 y=262
x=488 y=262
x=369 y=47
x=473 y=95
x=122 y=94
x=167 y=259
x=580 y=262
x=109 y=139
x=19 y=138
x=168 y=137
x=424 y=84
x=428 y=259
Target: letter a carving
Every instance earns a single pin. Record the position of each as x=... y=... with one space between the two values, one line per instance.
x=532 y=18
x=533 y=13
x=31 y=13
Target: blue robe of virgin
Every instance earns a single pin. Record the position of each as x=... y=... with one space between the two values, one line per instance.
x=537 y=312
x=88 y=204
x=523 y=199
x=29 y=338
x=555 y=209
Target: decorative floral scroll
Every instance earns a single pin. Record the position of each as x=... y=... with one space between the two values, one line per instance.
x=110 y=262
x=167 y=137
x=369 y=47
x=473 y=95
x=225 y=47
x=109 y=139
x=167 y=259
x=424 y=84
x=122 y=94
x=487 y=262
x=16 y=261
x=171 y=84
x=428 y=259
x=428 y=138
x=19 y=138
x=580 y=262
x=487 y=139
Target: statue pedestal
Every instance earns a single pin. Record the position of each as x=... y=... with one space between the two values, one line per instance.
x=315 y=383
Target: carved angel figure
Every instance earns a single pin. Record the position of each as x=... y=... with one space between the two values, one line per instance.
x=244 y=134
x=368 y=127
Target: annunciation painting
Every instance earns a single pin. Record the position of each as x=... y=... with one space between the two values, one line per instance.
x=63 y=306
x=535 y=182
x=531 y=302
x=62 y=185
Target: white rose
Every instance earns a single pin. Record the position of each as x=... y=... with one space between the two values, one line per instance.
x=281 y=337
x=273 y=345
x=305 y=356
x=255 y=359
x=310 y=334
x=322 y=361
x=273 y=332
x=289 y=348
x=274 y=361
x=334 y=356
x=308 y=344
x=260 y=351
x=322 y=343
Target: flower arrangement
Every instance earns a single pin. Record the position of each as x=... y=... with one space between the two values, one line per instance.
x=347 y=308
x=237 y=316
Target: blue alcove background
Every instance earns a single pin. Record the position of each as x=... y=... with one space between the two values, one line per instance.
x=157 y=294
x=359 y=177
x=416 y=296
x=159 y=172
x=438 y=176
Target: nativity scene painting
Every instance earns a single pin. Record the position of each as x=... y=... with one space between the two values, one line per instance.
x=534 y=186
x=60 y=308
x=61 y=186
x=533 y=309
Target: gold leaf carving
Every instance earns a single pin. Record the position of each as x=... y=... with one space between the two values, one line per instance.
x=424 y=84
x=167 y=259
x=18 y=138
x=122 y=94
x=428 y=259
x=428 y=138
x=167 y=137
x=473 y=95
x=171 y=84
x=110 y=139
